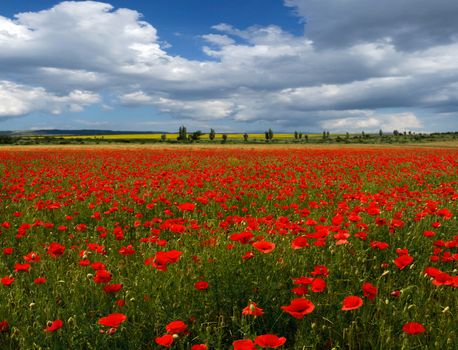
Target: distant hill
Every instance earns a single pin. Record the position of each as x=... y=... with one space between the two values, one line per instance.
x=82 y=132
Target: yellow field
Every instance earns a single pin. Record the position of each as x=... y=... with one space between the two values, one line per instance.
x=173 y=136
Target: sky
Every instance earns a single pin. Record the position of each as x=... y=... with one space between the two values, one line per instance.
x=235 y=66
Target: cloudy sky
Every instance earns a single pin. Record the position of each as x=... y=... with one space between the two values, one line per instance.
x=239 y=65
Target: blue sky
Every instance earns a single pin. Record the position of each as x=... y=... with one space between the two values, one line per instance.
x=230 y=65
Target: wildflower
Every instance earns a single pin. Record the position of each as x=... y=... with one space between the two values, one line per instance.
x=244 y=344
x=112 y=288
x=176 y=327
x=270 y=341
x=53 y=326
x=39 y=280
x=102 y=276
x=352 y=303
x=56 y=249
x=369 y=290
x=403 y=261
x=199 y=347
x=201 y=285
x=264 y=246
x=166 y=340
x=253 y=310
x=413 y=328
x=299 y=307
x=112 y=320
x=7 y=280
x=4 y=326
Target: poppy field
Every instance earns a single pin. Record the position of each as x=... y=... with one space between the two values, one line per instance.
x=228 y=248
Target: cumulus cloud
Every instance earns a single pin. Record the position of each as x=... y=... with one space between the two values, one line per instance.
x=348 y=71
x=19 y=100
x=368 y=120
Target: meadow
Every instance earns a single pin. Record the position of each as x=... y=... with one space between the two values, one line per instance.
x=228 y=248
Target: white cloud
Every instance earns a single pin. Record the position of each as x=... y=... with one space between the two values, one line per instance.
x=369 y=121
x=67 y=57
x=218 y=39
x=19 y=100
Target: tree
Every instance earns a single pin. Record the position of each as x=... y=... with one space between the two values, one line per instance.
x=212 y=134
x=296 y=135
x=380 y=133
x=245 y=137
x=182 y=134
x=224 y=136
x=196 y=135
x=163 y=137
x=395 y=132
x=271 y=134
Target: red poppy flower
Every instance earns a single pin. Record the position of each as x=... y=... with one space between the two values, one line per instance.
x=112 y=288
x=379 y=245
x=352 y=303
x=102 y=277
x=301 y=290
x=21 y=267
x=166 y=340
x=4 y=326
x=270 y=341
x=39 y=280
x=244 y=344
x=127 y=250
x=199 y=347
x=413 y=328
x=369 y=290
x=248 y=256
x=428 y=233
x=299 y=307
x=162 y=259
x=176 y=327
x=53 y=326
x=320 y=270
x=7 y=280
x=318 y=285
x=253 y=310
x=112 y=320
x=120 y=302
x=299 y=242
x=201 y=285
x=243 y=237
x=8 y=251
x=56 y=249
x=403 y=261
x=186 y=207
x=97 y=265
x=264 y=246
x=32 y=257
